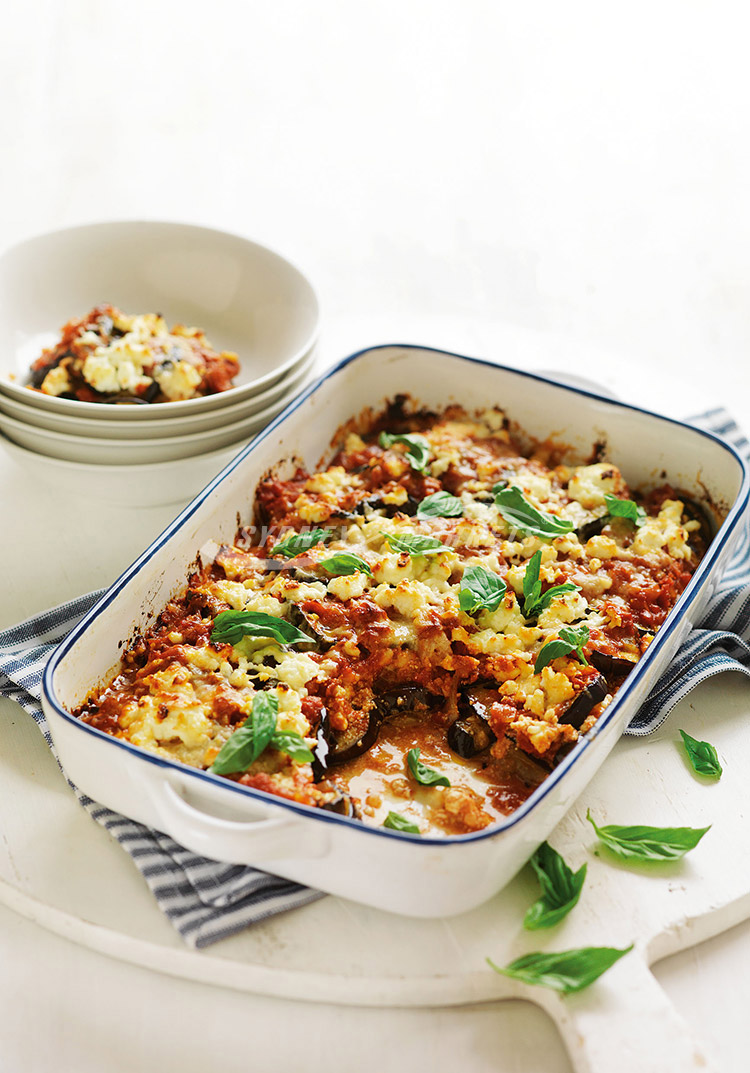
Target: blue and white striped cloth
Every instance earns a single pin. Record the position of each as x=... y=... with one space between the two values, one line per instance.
x=207 y=900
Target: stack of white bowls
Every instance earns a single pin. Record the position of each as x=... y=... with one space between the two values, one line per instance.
x=246 y=298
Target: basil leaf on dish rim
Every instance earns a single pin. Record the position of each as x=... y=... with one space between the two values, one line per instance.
x=703 y=757
x=231 y=626
x=567 y=971
x=571 y=639
x=247 y=743
x=344 y=563
x=520 y=514
x=299 y=542
x=427 y=776
x=418 y=448
x=640 y=843
x=561 y=888
x=440 y=505
x=534 y=601
x=396 y=822
x=480 y=590
x=625 y=508
x=416 y=544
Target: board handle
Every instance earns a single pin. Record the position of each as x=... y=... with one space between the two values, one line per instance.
x=626 y=1023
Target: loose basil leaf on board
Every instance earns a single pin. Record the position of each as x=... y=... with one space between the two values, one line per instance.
x=427 y=776
x=519 y=513
x=397 y=822
x=561 y=888
x=299 y=542
x=566 y=971
x=702 y=756
x=625 y=508
x=416 y=545
x=440 y=505
x=418 y=449
x=293 y=744
x=480 y=590
x=231 y=626
x=534 y=601
x=571 y=639
x=345 y=563
x=248 y=742
x=640 y=843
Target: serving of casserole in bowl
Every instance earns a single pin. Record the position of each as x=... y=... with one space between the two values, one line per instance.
x=384 y=651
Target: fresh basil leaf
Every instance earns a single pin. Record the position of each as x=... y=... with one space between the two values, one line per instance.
x=561 y=888
x=702 y=756
x=440 y=505
x=345 y=563
x=248 y=742
x=571 y=639
x=481 y=590
x=397 y=822
x=418 y=449
x=232 y=626
x=648 y=843
x=416 y=545
x=625 y=508
x=534 y=601
x=293 y=744
x=299 y=542
x=566 y=971
x=519 y=513
x=427 y=776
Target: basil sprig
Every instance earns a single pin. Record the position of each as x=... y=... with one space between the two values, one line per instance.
x=566 y=971
x=258 y=732
x=345 y=563
x=519 y=513
x=702 y=756
x=534 y=601
x=416 y=544
x=232 y=626
x=299 y=542
x=440 y=505
x=571 y=639
x=417 y=448
x=640 y=843
x=396 y=822
x=561 y=888
x=427 y=776
x=625 y=508
x=480 y=590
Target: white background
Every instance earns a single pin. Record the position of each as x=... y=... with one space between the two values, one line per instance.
x=440 y=170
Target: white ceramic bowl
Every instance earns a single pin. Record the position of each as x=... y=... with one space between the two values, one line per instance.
x=35 y=417
x=244 y=296
x=215 y=817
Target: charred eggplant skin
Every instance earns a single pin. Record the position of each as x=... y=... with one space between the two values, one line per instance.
x=617 y=666
x=404 y=699
x=470 y=733
x=594 y=692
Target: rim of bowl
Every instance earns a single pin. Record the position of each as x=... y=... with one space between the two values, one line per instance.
x=109 y=468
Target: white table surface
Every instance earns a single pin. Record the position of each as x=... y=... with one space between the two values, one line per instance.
x=560 y=186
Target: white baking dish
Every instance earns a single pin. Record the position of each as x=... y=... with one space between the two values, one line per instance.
x=420 y=876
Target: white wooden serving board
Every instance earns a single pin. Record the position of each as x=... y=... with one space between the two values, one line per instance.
x=60 y=869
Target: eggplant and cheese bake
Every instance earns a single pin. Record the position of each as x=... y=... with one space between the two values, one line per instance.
x=415 y=634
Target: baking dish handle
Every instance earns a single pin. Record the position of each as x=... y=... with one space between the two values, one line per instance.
x=269 y=838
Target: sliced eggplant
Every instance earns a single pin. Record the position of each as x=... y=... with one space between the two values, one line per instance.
x=365 y=742
x=470 y=733
x=594 y=692
x=409 y=698
x=694 y=512
x=617 y=666
x=376 y=503
x=322 y=747
x=343 y=805
x=593 y=528
x=311 y=625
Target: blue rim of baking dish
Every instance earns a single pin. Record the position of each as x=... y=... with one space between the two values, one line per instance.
x=726 y=530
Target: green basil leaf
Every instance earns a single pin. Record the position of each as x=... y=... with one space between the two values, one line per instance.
x=416 y=545
x=232 y=626
x=293 y=744
x=702 y=756
x=440 y=505
x=345 y=563
x=397 y=822
x=566 y=971
x=299 y=542
x=648 y=843
x=418 y=449
x=561 y=888
x=427 y=776
x=248 y=742
x=534 y=601
x=571 y=639
x=481 y=590
x=519 y=513
x=625 y=508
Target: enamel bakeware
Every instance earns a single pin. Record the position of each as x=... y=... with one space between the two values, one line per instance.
x=420 y=876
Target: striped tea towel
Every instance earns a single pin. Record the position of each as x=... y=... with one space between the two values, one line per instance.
x=206 y=900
